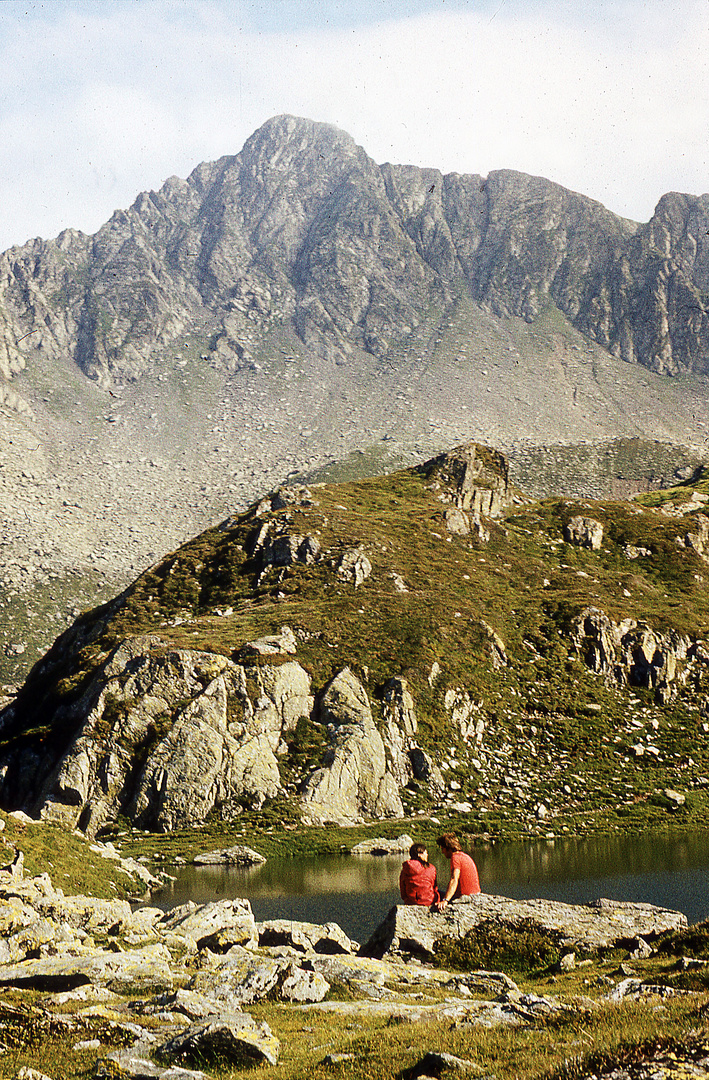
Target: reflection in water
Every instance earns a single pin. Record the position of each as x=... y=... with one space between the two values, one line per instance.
x=357 y=892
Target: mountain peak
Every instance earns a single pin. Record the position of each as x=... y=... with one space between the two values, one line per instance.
x=303 y=230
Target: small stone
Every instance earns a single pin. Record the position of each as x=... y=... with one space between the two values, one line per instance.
x=640 y=949
x=337 y=1059
x=435 y=1063
x=567 y=962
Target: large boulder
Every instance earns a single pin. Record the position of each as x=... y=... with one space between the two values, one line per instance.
x=600 y=924
x=137 y=970
x=584 y=532
x=128 y=1065
x=241 y=977
x=234 y=1037
x=353 y=781
x=326 y=938
x=217 y=926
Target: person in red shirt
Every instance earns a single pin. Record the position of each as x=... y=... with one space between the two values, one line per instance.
x=464 y=873
x=417 y=881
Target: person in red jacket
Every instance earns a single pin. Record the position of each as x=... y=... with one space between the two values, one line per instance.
x=464 y=873
x=417 y=881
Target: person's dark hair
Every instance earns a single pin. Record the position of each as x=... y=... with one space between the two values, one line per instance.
x=449 y=841
x=416 y=851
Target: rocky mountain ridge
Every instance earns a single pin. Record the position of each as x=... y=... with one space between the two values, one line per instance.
x=303 y=228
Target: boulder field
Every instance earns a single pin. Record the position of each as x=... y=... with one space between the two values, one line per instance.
x=171 y=987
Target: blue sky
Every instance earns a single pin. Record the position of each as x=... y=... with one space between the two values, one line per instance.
x=101 y=100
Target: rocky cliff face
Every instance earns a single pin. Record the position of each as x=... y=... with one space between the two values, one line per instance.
x=303 y=228
x=169 y=737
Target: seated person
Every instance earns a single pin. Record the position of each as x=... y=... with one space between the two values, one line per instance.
x=417 y=881
x=464 y=873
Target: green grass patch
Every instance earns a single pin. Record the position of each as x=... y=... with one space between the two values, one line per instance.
x=495 y=946
x=68 y=860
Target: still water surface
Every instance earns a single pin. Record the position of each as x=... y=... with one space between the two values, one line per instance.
x=357 y=892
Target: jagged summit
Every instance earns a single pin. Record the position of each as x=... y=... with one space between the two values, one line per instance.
x=302 y=229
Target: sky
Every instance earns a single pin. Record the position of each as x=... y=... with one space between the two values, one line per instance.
x=103 y=99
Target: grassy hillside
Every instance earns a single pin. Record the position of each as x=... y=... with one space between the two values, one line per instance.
x=553 y=731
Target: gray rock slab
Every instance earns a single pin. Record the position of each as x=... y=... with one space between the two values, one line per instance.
x=26 y=1073
x=306 y=937
x=302 y=985
x=486 y=982
x=85 y=912
x=478 y=1013
x=192 y=1005
x=135 y=970
x=239 y=978
x=242 y=977
x=436 y=1063
x=216 y=926
x=353 y=781
x=596 y=925
x=238 y=855
x=381 y=846
x=360 y=972
x=124 y=1065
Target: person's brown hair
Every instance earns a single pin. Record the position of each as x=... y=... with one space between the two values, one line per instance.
x=416 y=851
x=449 y=841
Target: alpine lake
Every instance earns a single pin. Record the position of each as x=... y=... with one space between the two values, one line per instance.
x=357 y=891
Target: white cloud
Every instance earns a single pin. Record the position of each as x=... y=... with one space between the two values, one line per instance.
x=103 y=100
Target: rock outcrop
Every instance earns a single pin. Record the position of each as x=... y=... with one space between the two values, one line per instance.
x=475 y=479
x=601 y=924
x=202 y=740
x=168 y=736
x=630 y=652
x=584 y=532
x=353 y=782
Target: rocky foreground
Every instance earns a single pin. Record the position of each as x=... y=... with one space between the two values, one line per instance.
x=152 y=991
